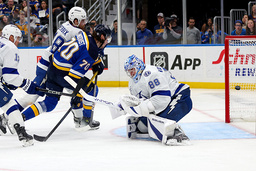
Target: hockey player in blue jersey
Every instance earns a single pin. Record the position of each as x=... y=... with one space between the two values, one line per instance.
x=156 y=103
x=74 y=59
x=10 y=79
x=77 y=20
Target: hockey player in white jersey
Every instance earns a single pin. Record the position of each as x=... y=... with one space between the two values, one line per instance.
x=157 y=102
x=77 y=20
x=10 y=79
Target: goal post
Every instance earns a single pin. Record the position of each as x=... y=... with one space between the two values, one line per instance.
x=240 y=78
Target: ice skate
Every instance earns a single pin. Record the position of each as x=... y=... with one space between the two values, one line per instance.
x=94 y=124
x=23 y=136
x=81 y=124
x=3 y=123
x=178 y=139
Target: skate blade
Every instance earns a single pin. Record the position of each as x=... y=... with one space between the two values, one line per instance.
x=83 y=129
x=27 y=143
x=173 y=142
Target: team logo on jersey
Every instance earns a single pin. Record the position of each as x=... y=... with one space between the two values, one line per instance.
x=147 y=73
x=159 y=59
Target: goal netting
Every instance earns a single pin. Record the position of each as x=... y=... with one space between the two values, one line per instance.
x=240 y=78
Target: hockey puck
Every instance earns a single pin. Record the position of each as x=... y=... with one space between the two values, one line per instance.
x=237 y=87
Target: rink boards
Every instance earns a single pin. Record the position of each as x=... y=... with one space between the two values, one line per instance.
x=199 y=66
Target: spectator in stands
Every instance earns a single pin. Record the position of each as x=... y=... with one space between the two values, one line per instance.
x=114 y=40
x=172 y=32
x=40 y=39
x=2 y=5
x=193 y=34
x=253 y=13
x=67 y=5
x=209 y=26
x=43 y=13
x=10 y=8
x=250 y=28
x=22 y=24
x=34 y=5
x=90 y=26
x=144 y=34
x=5 y=21
x=204 y=34
x=23 y=5
x=245 y=21
x=56 y=10
x=216 y=35
x=159 y=29
x=137 y=29
x=238 y=28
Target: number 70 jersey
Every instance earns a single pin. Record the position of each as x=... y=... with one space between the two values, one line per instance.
x=74 y=57
x=156 y=84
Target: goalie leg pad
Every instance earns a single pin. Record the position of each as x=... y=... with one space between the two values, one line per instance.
x=131 y=127
x=136 y=127
x=160 y=128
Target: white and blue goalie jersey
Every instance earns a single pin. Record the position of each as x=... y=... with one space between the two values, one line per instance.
x=156 y=84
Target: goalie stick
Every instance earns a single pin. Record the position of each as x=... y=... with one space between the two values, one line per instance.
x=76 y=90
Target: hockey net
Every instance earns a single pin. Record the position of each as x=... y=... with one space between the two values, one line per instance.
x=240 y=78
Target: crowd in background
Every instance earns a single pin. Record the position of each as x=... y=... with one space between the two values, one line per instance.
x=166 y=31
x=15 y=12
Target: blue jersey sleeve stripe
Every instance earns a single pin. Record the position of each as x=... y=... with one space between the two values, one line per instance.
x=162 y=93
x=44 y=62
x=9 y=71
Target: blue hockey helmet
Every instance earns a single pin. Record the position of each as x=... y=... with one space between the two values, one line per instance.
x=134 y=67
x=104 y=30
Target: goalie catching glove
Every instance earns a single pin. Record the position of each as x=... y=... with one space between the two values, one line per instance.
x=136 y=107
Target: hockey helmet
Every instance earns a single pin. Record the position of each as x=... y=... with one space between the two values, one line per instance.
x=136 y=63
x=77 y=13
x=104 y=30
x=9 y=30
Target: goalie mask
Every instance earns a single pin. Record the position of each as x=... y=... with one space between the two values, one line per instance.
x=134 y=67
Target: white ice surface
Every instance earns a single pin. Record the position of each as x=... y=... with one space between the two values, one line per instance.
x=103 y=150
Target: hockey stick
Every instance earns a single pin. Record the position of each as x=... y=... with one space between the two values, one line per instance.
x=76 y=90
x=93 y=106
x=54 y=92
x=91 y=98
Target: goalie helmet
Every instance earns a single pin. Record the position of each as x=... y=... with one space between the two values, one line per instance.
x=136 y=63
x=13 y=30
x=77 y=13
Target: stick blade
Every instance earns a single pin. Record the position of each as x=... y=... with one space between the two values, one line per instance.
x=40 y=138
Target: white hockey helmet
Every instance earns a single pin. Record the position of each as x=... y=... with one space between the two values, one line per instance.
x=77 y=13
x=9 y=30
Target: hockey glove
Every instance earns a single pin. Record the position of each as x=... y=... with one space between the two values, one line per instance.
x=40 y=75
x=77 y=100
x=98 y=66
x=30 y=87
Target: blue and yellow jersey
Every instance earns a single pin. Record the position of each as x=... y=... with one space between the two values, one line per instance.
x=74 y=56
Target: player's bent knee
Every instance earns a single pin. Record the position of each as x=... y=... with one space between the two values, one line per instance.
x=50 y=103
